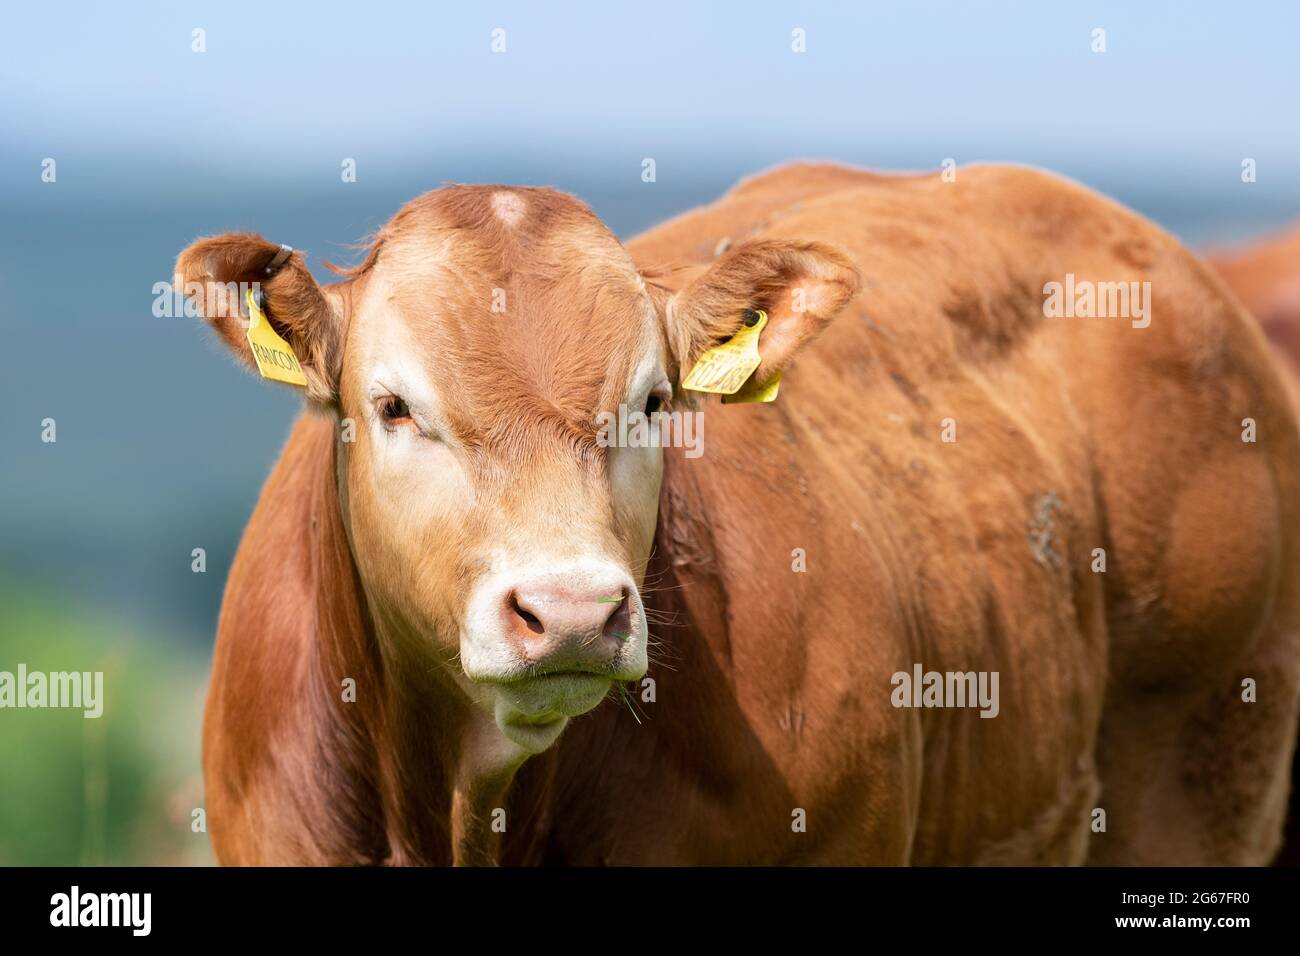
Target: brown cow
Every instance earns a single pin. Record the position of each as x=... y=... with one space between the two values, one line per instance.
x=957 y=478
x=1265 y=275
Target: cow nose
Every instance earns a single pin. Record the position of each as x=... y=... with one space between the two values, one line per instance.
x=566 y=629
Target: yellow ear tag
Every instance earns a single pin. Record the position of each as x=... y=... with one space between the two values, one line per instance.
x=723 y=369
x=750 y=392
x=274 y=357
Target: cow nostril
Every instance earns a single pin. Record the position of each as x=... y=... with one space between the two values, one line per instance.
x=619 y=625
x=531 y=621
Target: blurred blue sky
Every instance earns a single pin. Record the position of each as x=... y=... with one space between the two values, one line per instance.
x=285 y=90
x=163 y=443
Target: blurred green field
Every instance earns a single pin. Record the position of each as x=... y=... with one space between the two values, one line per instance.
x=119 y=789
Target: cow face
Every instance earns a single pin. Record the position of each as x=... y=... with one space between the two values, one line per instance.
x=469 y=359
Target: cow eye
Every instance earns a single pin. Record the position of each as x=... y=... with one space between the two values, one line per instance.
x=658 y=397
x=393 y=411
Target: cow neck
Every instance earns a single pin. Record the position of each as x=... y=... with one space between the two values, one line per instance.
x=344 y=692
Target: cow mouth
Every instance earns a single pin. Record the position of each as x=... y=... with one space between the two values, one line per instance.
x=531 y=711
x=618 y=671
x=549 y=697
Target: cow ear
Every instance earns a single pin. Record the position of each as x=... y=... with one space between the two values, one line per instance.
x=801 y=285
x=215 y=274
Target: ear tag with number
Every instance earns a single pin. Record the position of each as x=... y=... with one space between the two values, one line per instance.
x=723 y=369
x=274 y=357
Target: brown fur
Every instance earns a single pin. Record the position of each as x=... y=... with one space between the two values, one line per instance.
x=1265 y=276
x=1118 y=690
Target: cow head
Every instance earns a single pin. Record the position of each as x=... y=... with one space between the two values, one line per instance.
x=470 y=355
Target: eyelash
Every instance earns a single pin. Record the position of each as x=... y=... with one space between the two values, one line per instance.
x=393 y=412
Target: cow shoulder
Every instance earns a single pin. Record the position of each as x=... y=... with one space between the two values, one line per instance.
x=257 y=749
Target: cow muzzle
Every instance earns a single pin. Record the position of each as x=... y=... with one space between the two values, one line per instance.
x=552 y=643
x=562 y=630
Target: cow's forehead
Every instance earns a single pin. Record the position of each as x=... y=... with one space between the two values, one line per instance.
x=518 y=304
x=501 y=228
